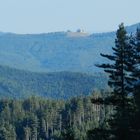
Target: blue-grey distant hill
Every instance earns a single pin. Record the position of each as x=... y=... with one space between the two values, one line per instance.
x=55 y=52
x=57 y=85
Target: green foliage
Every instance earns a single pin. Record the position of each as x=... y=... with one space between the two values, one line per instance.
x=123 y=73
x=60 y=85
x=136 y=93
x=37 y=118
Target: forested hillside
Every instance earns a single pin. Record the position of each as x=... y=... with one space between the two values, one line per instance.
x=40 y=119
x=68 y=105
x=51 y=52
x=60 y=85
x=68 y=71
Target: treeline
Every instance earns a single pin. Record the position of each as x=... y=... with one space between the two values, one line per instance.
x=41 y=119
x=124 y=79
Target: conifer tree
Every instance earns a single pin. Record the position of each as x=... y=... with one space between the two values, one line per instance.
x=121 y=81
x=136 y=93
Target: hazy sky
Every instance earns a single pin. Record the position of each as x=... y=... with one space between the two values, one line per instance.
x=36 y=16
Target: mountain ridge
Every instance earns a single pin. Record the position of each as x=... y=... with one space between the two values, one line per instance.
x=20 y=84
x=55 y=52
x=129 y=28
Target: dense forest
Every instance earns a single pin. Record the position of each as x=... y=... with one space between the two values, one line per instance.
x=56 y=85
x=41 y=119
x=104 y=115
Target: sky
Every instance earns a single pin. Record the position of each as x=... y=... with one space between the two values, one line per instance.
x=40 y=16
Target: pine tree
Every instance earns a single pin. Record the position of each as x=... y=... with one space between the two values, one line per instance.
x=121 y=81
x=136 y=74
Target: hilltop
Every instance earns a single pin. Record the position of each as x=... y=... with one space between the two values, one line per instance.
x=55 y=52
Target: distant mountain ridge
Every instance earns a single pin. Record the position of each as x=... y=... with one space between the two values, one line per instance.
x=55 y=52
x=57 y=85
